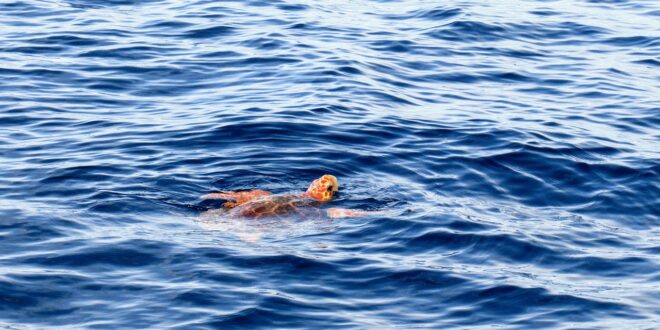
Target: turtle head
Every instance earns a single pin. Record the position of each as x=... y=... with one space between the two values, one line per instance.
x=323 y=188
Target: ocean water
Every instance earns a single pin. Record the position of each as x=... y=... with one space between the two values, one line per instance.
x=513 y=145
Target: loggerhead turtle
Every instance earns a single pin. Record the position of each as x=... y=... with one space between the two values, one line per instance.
x=261 y=203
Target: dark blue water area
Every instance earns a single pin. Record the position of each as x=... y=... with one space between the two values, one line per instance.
x=512 y=147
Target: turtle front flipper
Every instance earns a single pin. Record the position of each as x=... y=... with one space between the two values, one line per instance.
x=239 y=197
x=337 y=213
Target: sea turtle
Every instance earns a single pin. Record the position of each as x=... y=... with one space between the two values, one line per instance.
x=261 y=203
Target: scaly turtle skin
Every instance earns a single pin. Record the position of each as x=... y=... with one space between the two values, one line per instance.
x=260 y=203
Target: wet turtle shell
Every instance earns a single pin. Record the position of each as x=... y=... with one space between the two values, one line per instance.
x=277 y=206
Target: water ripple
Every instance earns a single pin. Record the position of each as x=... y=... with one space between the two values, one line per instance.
x=512 y=144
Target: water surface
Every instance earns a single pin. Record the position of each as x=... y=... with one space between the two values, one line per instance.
x=514 y=144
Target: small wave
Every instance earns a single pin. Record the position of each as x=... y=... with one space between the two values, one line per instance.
x=512 y=150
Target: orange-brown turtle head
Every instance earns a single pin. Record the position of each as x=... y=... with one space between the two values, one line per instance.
x=323 y=188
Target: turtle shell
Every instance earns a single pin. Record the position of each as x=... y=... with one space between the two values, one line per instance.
x=277 y=205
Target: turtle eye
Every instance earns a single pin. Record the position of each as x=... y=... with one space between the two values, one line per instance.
x=330 y=188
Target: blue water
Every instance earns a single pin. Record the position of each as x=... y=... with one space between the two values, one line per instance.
x=513 y=144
